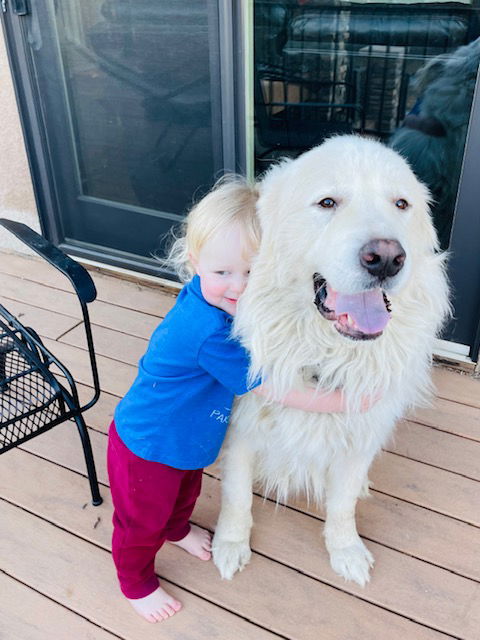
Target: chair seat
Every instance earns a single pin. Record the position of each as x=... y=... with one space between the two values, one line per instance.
x=30 y=397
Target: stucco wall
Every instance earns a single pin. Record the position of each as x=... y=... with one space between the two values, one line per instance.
x=16 y=193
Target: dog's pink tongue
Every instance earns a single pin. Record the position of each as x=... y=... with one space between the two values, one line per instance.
x=366 y=309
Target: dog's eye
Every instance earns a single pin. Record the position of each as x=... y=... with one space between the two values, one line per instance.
x=327 y=203
x=402 y=204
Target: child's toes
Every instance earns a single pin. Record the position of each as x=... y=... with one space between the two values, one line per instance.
x=154 y=617
x=205 y=555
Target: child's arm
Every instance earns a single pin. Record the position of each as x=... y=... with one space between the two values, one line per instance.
x=310 y=399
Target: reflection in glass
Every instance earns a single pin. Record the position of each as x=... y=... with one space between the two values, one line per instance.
x=137 y=76
x=432 y=135
x=402 y=71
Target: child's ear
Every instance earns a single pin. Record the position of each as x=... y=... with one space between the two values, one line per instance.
x=193 y=261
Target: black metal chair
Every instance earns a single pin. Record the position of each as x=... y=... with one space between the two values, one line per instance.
x=33 y=397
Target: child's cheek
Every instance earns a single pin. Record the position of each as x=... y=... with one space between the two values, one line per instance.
x=214 y=285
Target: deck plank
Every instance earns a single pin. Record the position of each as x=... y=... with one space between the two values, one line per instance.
x=455 y=454
x=407 y=527
x=48 y=324
x=39 y=295
x=398 y=583
x=113 y=344
x=79 y=575
x=116 y=376
x=294 y=618
x=446 y=416
x=28 y=615
x=450 y=416
x=146 y=298
x=104 y=314
x=100 y=415
x=441 y=491
x=127 y=321
x=444 y=450
x=436 y=489
x=458 y=386
x=32 y=268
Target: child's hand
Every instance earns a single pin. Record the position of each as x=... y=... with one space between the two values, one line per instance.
x=336 y=402
x=315 y=401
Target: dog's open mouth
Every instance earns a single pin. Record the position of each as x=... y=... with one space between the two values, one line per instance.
x=359 y=316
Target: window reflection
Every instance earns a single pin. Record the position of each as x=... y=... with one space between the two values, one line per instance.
x=402 y=71
x=432 y=135
x=138 y=75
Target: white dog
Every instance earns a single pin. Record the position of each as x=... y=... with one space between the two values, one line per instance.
x=347 y=292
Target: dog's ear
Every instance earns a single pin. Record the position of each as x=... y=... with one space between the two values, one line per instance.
x=430 y=72
x=269 y=188
x=424 y=228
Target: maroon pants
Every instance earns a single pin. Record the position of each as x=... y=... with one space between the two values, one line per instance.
x=152 y=503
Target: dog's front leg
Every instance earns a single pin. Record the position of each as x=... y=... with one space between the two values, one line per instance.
x=231 y=542
x=349 y=557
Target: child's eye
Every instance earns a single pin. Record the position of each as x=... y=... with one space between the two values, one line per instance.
x=221 y=273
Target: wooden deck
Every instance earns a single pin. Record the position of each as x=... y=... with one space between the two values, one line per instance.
x=57 y=579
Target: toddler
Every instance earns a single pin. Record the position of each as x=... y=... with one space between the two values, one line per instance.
x=166 y=428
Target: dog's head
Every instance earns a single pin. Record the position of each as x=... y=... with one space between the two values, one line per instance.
x=348 y=220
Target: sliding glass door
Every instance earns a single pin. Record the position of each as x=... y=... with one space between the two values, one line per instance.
x=125 y=108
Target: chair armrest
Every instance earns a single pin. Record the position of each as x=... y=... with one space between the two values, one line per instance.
x=78 y=275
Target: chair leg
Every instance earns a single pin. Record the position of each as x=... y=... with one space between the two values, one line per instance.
x=5 y=348
x=87 y=450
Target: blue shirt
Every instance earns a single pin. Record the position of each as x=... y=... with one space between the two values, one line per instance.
x=177 y=410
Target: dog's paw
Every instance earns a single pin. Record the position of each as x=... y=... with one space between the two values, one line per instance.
x=353 y=562
x=230 y=557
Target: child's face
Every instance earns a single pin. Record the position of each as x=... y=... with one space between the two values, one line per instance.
x=223 y=265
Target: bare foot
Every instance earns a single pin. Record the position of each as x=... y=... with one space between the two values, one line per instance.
x=198 y=542
x=157 y=606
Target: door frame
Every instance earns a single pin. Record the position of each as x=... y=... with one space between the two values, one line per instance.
x=464 y=249
x=230 y=20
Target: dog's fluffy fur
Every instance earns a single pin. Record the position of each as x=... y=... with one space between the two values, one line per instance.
x=327 y=456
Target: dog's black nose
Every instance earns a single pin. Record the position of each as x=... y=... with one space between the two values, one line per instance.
x=382 y=258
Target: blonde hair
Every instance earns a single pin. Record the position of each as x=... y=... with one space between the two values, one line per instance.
x=231 y=200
